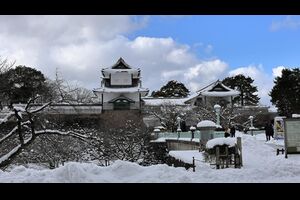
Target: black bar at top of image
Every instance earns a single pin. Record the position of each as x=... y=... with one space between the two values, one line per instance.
x=164 y=7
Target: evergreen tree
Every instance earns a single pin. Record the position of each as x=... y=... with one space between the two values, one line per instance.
x=247 y=90
x=285 y=94
x=23 y=82
x=172 y=89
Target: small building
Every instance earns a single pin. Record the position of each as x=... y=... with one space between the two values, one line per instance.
x=214 y=93
x=121 y=87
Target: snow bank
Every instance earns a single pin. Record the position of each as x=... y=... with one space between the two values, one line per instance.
x=118 y=172
x=260 y=164
x=220 y=141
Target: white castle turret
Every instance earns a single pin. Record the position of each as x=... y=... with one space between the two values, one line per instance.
x=121 y=87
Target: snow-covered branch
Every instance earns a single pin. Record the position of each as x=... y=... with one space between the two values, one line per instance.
x=58 y=132
x=9 y=134
x=40 y=108
x=5 y=160
x=7 y=117
x=7 y=156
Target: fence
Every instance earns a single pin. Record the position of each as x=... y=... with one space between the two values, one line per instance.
x=197 y=134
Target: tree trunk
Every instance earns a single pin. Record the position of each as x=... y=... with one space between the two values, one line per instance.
x=20 y=133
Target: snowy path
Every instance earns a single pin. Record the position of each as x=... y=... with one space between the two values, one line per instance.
x=260 y=165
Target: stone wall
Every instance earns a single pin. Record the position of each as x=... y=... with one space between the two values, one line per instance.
x=182 y=145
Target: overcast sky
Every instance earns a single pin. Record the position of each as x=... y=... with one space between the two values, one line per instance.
x=195 y=50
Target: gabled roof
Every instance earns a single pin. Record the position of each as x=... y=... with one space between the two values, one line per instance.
x=219 y=87
x=216 y=89
x=121 y=64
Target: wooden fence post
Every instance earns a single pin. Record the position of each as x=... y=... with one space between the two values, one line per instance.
x=217 y=157
x=194 y=164
x=226 y=156
x=239 y=144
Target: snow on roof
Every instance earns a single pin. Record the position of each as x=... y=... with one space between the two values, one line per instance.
x=220 y=94
x=206 y=123
x=159 y=127
x=120 y=66
x=122 y=90
x=110 y=70
x=205 y=91
x=220 y=141
x=295 y=115
x=121 y=62
x=164 y=101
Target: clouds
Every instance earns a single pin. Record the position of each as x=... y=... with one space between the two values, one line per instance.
x=68 y=42
x=277 y=71
x=81 y=45
x=288 y=22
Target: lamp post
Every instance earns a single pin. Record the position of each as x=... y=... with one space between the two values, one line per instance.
x=192 y=129
x=178 y=127
x=217 y=108
x=156 y=133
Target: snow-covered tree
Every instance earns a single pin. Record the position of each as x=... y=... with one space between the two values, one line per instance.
x=23 y=83
x=5 y=66
x=27 y=130
x=63 y=92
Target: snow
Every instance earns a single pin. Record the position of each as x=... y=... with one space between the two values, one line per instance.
x=187 y=156
x=206 y=123
x=120 y=90
x=164 y=101
x=260 y=164
x=159 y=127
x=5 y=157
x=295 y=115
x=220 y=94
x=18 y=108
x=220 y=141
x=217 y=106
x=5 y=117
x=276 y=143
x=163 y=139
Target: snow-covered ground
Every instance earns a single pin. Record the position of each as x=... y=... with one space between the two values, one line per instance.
x=259 y=158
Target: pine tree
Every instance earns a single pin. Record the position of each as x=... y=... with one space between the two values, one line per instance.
x=172 y=89
x=247 y=90
x=285 y=94
x=23 y=82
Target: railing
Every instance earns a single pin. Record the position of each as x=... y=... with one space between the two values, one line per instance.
x=188 y=134
x=194 y=165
